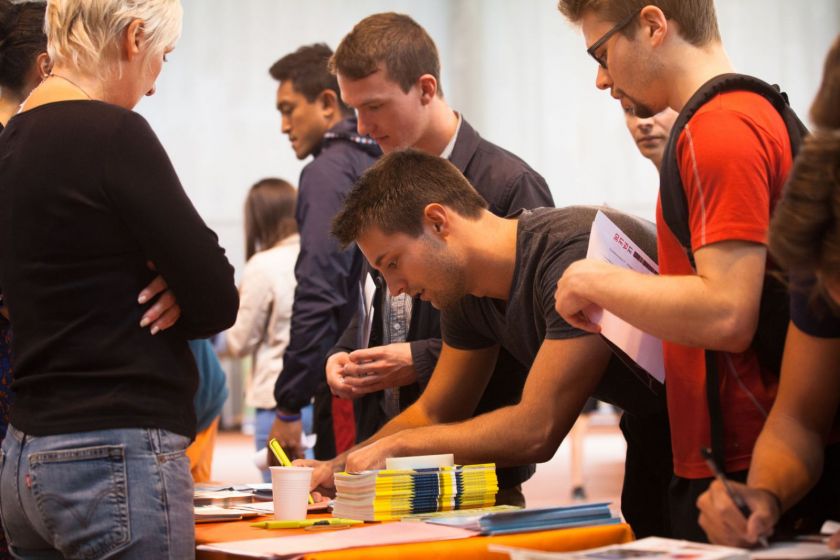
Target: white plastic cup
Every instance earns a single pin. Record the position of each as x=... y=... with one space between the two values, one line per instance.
x=290 y=491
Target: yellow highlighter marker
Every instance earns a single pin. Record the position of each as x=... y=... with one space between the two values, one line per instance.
x=283 y=458
x=335 y=521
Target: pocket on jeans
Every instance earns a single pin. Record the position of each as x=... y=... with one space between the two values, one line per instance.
x=170 y=446
x=82 y=497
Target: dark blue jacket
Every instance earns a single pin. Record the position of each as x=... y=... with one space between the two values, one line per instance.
x=327 y=292
x=507 y=184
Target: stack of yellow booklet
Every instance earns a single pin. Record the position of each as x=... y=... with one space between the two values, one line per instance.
x=391 y=494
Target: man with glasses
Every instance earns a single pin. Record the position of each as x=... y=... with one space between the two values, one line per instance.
x=733 y=157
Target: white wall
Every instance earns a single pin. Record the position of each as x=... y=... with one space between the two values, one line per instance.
x=516 y=70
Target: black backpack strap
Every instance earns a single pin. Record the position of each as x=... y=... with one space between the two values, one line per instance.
x=715 y=410
x=671 y=192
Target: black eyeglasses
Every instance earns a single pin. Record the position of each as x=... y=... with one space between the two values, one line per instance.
x=602 y=60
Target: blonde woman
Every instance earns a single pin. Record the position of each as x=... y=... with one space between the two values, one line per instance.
x=93 y=462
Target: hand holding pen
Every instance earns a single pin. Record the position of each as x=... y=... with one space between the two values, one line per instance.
x=734 y=514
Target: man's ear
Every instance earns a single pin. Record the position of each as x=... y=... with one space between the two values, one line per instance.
x=654 y=25
x=428 y=88
x=329 y=103
x=436 y=219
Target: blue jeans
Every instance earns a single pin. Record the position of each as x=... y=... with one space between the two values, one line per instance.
x=124 y=493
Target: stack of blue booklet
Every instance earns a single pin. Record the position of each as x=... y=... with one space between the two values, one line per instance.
x=533 y=519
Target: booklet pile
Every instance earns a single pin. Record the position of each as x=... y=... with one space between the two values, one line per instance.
x=534 y=519
x=230 y=503
x=394 y=493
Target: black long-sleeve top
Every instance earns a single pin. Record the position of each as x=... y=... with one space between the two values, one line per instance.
x=87 y=197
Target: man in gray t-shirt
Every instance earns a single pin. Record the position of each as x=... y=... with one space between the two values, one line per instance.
x=421 y=224
x=548 y=240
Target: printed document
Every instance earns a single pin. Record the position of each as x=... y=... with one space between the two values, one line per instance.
x=608 y=243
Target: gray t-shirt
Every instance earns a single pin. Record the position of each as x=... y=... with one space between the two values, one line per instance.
x=548 y=241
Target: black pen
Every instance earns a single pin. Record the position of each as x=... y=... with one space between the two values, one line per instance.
x=737 y=499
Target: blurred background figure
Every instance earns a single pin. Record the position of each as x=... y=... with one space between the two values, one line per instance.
x=23 y=64
x=266 y=293
x=651 y=134
x=208 y=401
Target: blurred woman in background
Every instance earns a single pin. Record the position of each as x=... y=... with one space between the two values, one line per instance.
x=266 y=293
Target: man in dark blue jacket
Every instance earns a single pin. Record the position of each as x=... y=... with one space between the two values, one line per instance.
x=389 y=71
x=317 y=124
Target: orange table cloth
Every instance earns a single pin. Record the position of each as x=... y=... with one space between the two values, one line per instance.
x=467 y=549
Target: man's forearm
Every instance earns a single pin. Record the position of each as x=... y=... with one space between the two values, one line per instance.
x=488 y=438
x=564 y=373
x=682 y=309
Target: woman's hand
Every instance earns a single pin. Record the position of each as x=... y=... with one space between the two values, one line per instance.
x=165 y=312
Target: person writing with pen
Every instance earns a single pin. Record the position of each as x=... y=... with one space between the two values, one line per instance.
x=791 y=453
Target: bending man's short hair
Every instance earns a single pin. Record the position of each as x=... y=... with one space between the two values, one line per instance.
x=393 y=194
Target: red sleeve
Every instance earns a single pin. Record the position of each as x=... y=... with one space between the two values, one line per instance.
x=727 y=165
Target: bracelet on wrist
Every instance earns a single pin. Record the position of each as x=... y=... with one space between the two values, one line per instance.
x=288 y=417
x=776 y=499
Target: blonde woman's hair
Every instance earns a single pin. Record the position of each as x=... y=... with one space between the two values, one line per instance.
x=83 y=33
